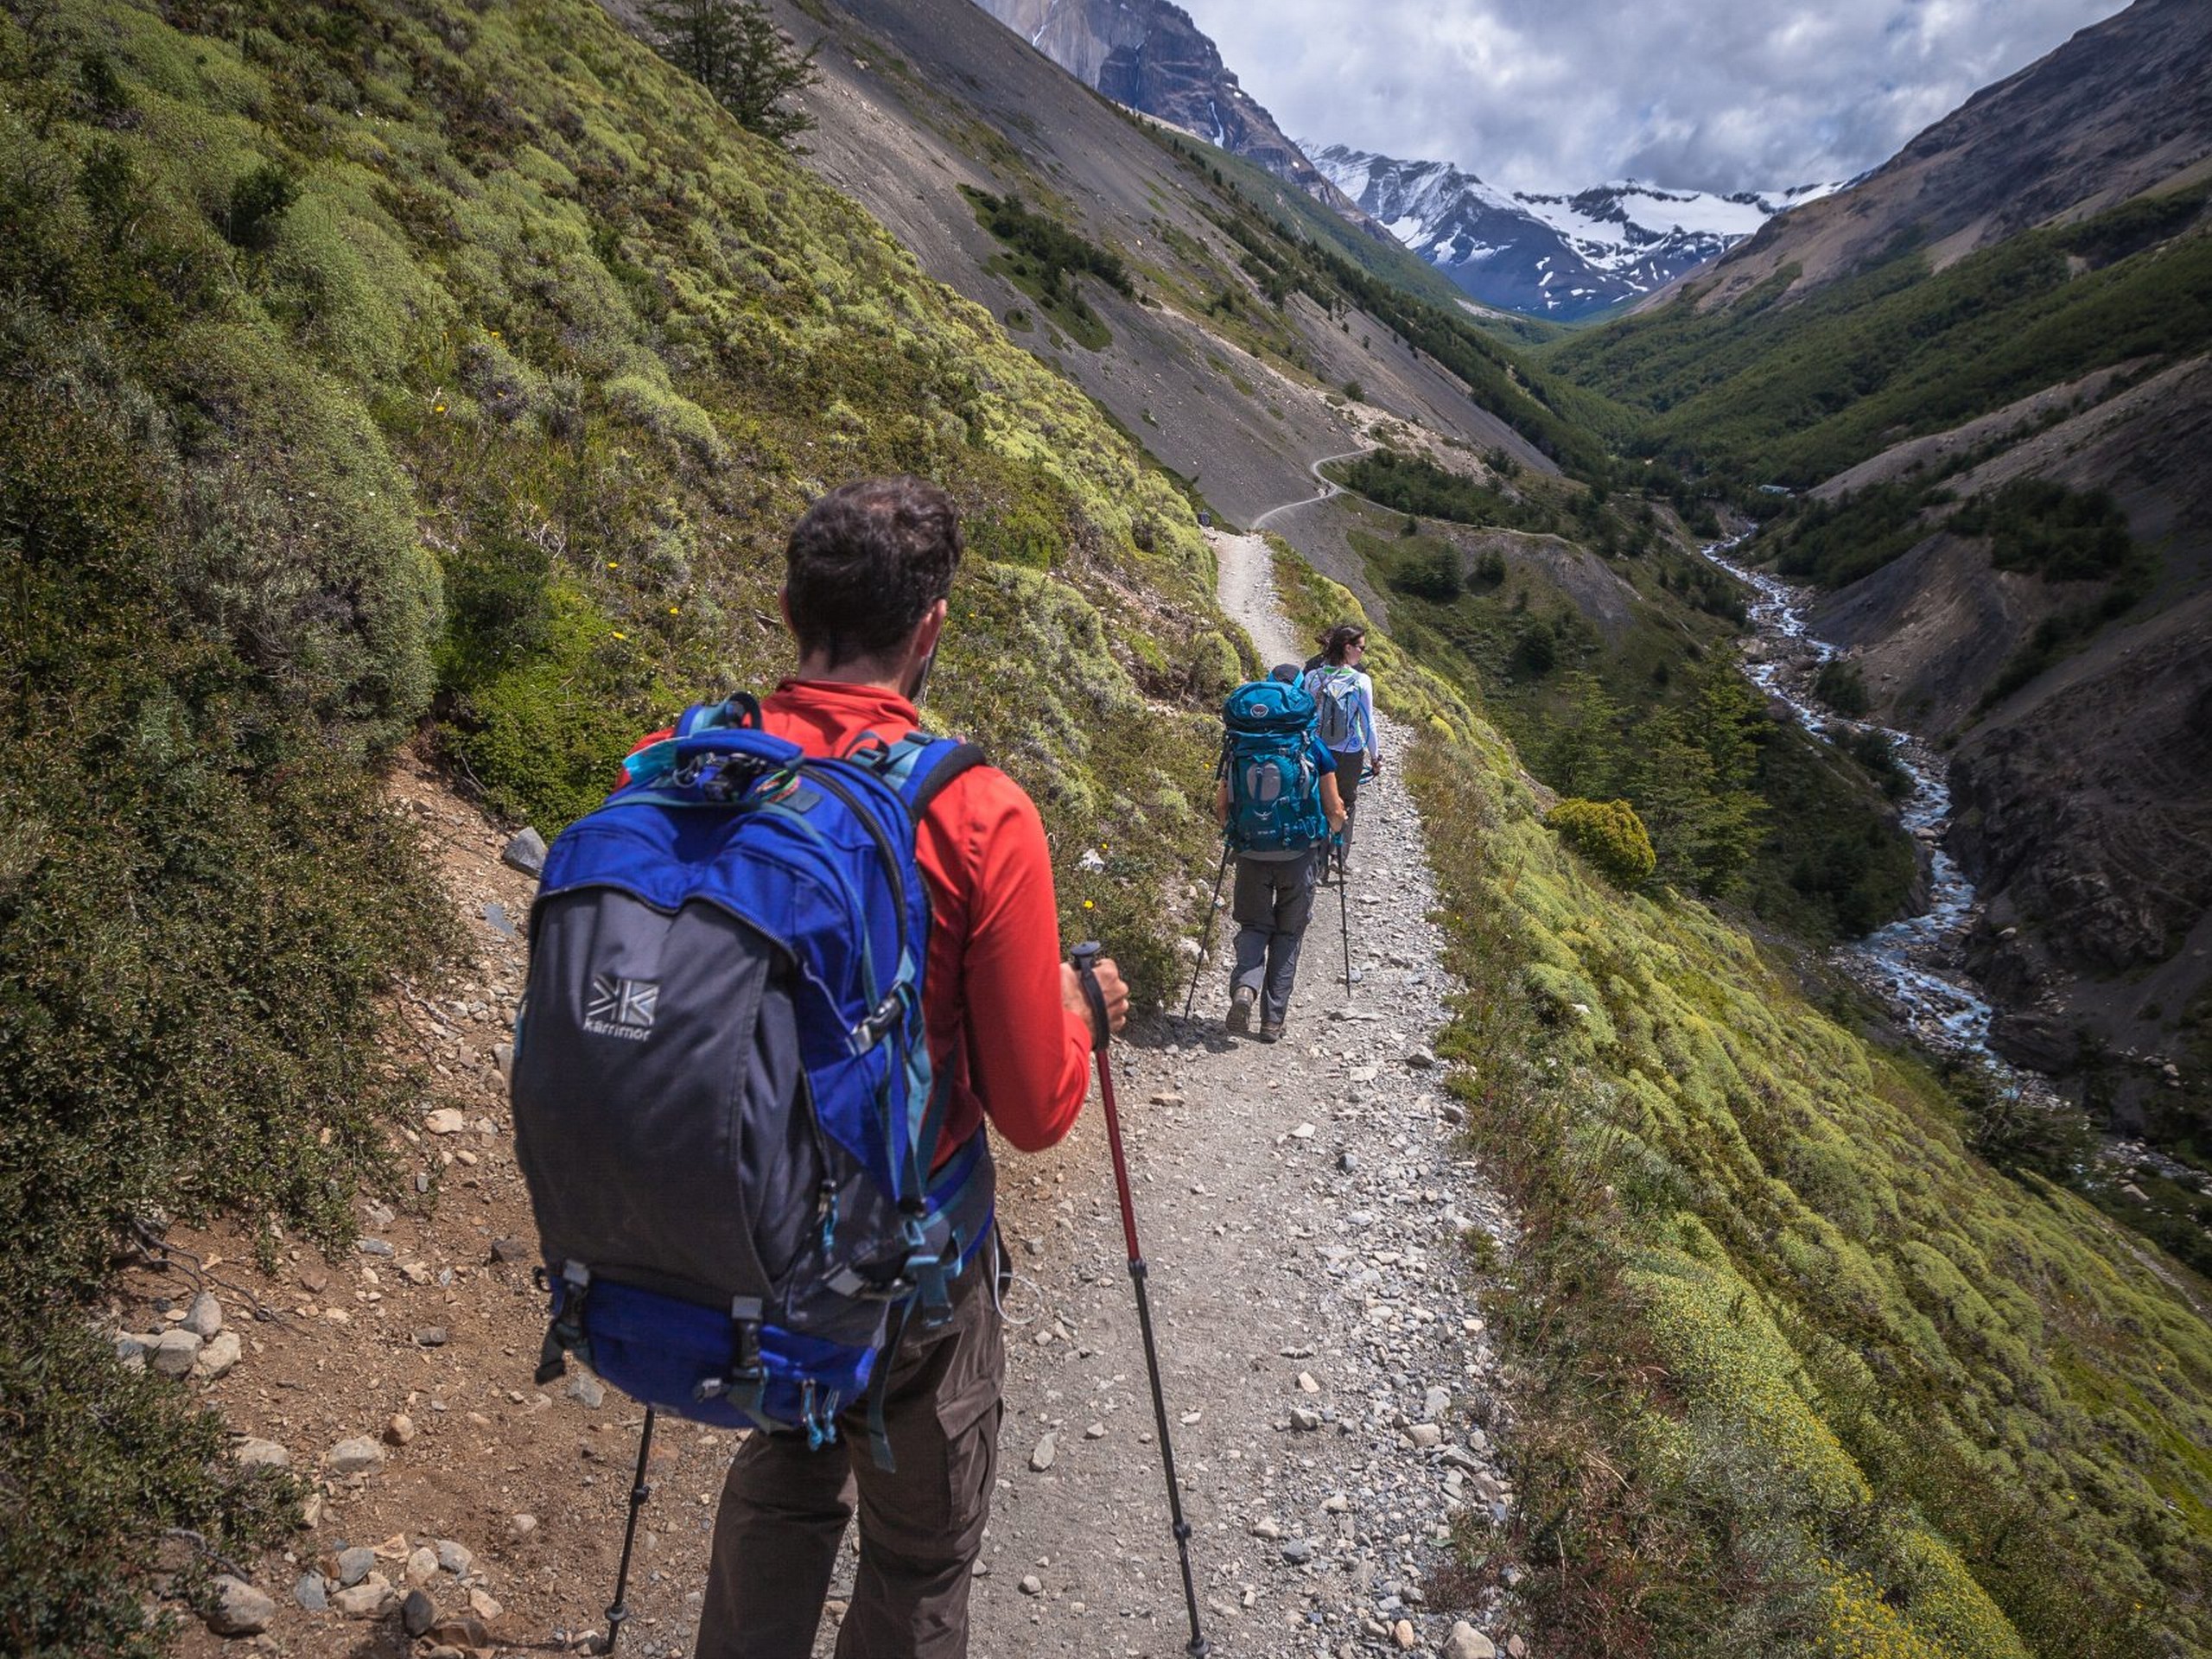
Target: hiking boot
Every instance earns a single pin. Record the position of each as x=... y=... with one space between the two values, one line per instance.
x=1240 y=1009
x=1270 y=1031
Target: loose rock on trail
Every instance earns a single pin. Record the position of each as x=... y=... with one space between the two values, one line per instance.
x=1303 y=1207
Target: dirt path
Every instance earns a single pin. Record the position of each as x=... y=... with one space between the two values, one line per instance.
x=1302 y=1206
x=1329 y=487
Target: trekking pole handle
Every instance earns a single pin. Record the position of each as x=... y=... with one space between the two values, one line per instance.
x=1085 y=958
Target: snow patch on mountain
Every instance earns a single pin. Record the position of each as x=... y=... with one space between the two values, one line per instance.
x=1558 y=256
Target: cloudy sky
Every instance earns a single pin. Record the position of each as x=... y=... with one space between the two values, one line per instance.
x=1703 y=94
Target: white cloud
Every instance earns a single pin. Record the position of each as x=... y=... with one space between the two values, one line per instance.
x=1703 y=94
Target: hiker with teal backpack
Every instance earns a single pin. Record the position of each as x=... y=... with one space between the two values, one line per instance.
x=1277 y=802
x=1344 y=704
x=780 y=983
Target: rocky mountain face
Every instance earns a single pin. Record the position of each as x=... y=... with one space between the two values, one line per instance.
x=921 y=99
x=2082 y=800
x=1151 y=56
x=2124 y=105
x=1563 y=257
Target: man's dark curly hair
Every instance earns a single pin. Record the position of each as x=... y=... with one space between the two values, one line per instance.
x=866 y=563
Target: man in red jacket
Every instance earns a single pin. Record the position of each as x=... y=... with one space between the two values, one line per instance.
x=867 y=571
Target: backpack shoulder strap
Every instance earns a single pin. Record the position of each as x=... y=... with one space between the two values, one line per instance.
x=740 y=710
x=951 y=758
x=917 y=767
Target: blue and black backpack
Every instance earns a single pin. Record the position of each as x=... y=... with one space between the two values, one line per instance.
x=1266 y=754
x=722 y=1087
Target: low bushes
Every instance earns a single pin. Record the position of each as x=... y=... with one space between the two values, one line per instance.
x=1609 y=835
x=1798 y=1374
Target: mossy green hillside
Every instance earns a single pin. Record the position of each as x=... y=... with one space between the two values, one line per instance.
x=1802 y=1373
x=386 y=363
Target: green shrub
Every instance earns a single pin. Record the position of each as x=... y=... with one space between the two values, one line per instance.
x=202 y=902
x=1410 y=484
x=1432 y=574
x=2057 y=533
x=1841 y=686
x=1609 y=835
x=97 y=1464
x=258 y=202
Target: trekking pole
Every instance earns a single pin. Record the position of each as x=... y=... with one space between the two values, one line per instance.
x=1343 y=916
x=1206 y=933
x=1085 y=957
x=617 y=1612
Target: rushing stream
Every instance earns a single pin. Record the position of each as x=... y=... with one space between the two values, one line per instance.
x=1911 y=964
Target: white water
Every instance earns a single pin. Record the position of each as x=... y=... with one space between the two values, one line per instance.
x=1911 y=964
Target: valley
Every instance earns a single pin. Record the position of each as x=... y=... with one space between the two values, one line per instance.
x=1798 y=692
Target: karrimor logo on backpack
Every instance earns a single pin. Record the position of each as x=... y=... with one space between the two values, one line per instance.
x=621 y=1008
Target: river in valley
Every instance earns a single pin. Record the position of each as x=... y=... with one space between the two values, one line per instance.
x=1913 y=964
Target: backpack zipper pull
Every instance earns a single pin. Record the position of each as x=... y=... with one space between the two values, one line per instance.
x=826 y=1207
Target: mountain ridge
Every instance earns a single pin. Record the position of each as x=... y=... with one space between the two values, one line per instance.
x=1567 y=256
x=1150 y=55
x=2121 y=106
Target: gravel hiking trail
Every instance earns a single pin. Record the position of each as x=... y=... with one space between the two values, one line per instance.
x=1332 y=1390
x=1301 y=1205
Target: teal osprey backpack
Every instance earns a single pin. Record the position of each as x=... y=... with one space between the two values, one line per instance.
x=1266 y=755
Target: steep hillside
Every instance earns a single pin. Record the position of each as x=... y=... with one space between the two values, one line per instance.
x=1227 y=381
x=2001 y=445
x=2121 y=108
x=1799 y=1372
x=406 y=369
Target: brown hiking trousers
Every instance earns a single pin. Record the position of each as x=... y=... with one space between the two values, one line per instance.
x=785 y=1508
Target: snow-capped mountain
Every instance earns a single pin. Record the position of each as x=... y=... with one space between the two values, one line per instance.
x=1557 y=256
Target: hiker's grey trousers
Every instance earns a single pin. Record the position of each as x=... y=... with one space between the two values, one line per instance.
x=785 y=1509
x=1273 y=900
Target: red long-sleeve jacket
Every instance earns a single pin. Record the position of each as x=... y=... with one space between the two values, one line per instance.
x=991 y=990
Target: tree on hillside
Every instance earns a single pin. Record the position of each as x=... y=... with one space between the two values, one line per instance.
x=1585 y=756
x=1704 y=819
x=735 y=49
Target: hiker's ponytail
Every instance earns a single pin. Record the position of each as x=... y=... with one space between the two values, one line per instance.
x=1339 y=641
